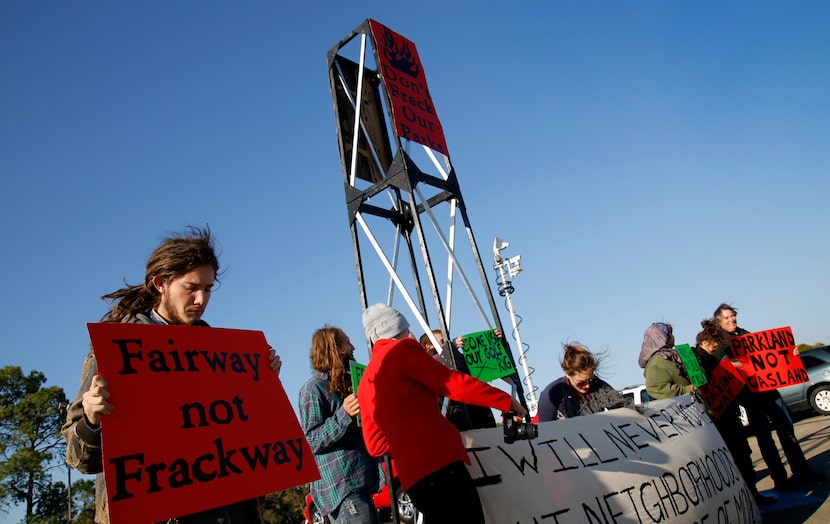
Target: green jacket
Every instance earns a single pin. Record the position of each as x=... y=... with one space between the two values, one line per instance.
x=664 y=380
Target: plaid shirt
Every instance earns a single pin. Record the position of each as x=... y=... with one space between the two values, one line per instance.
x=337 y=443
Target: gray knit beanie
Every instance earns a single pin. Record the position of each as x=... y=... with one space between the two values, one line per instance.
x=381 y=321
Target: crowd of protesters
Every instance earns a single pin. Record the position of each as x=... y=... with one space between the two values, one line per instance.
x=666 y=375
x=412 y=405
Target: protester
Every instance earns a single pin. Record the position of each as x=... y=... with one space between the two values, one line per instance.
x=398 y=398
x=580 y=391
x=663 y=369
x=767 y=411
x=457 y=343
x=463 y=416
x=709 y=351
x=328 y=415
x=180 y=275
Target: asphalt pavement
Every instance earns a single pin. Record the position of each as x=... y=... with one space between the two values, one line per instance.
x=807 y=504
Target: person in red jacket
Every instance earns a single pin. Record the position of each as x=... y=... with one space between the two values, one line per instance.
x=398 y=397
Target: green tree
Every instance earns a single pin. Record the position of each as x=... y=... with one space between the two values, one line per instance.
x=31 y=446
x=83 y=501
x=808 y=347
x=51 y=505
x=285 y=507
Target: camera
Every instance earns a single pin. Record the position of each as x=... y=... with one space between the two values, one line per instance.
x=514 y=431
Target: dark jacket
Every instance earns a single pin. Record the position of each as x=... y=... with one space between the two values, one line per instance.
x=560 y=400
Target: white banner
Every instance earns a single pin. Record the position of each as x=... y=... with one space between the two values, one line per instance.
x=668 y=464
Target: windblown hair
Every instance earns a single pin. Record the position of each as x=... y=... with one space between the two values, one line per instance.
x=326 y=358
x=712 y=332
x=579 y=359
x=177 y=255
x=724 y=307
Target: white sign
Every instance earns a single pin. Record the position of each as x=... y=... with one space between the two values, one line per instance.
x=667 y=464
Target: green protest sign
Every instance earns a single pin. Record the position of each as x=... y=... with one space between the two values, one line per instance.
x=696 y=375
x=486 y=357
x=357 y=371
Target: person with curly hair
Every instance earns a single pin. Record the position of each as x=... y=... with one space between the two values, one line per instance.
x=709 y=351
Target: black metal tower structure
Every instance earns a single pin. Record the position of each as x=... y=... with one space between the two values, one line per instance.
x=402 y=193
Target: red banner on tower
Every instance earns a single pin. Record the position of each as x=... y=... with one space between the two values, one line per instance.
x=403 y=75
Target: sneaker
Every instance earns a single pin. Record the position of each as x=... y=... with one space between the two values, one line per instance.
x=809 y=477
x=763 y=500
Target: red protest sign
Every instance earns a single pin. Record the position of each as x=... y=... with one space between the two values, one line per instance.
x=722 y=387
x=199 y=420
x=403 y=75
x=767 y=359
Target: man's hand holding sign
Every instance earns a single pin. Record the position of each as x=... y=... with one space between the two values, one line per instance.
x=194 y=420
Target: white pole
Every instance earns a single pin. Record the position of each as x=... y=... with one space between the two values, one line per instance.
x=506 y=292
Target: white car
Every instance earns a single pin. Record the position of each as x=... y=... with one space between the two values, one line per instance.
x=637 y=394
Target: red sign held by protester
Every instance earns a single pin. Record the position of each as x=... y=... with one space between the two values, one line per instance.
x=403 y=75
x=722 y=387
x=767 y=359
x=199 y=420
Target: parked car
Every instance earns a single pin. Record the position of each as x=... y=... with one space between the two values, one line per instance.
x=814 y=394
x=382 y=501
x=637 y=394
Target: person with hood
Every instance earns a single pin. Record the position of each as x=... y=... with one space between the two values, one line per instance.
x=580 y=391
x=398 y=398
x=663 y=369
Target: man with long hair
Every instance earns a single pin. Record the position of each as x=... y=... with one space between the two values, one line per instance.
x=179 y=278
x=328 y=414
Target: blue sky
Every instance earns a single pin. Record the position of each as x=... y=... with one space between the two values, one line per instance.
x=648 y=160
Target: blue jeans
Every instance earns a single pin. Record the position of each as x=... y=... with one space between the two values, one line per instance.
x=357 y=508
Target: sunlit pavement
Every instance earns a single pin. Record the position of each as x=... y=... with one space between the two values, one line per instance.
x=806 y=504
